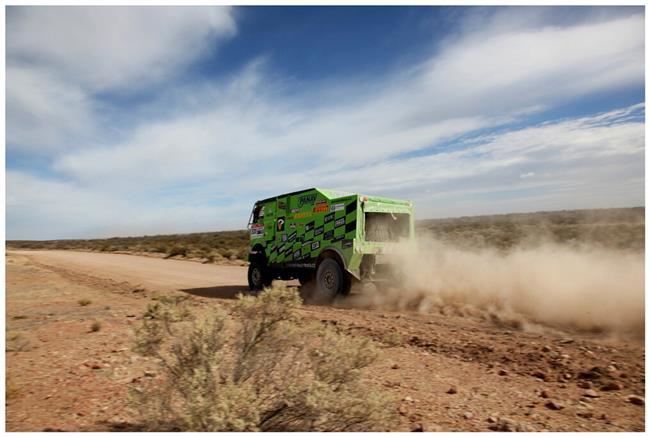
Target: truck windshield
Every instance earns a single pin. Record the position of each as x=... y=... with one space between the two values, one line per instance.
x=255 y=214
x=386 y=227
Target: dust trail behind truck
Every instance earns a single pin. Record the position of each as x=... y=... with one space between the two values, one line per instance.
x=330 y=237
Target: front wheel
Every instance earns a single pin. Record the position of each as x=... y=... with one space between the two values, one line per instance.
x=258 y=276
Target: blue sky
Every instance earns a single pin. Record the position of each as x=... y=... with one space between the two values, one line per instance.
x=144 y=120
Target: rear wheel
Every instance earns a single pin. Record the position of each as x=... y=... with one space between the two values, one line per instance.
x=331 y=279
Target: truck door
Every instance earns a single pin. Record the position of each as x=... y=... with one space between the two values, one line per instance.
x=280 y=220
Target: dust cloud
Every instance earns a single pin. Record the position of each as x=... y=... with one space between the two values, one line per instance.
x=580 y=288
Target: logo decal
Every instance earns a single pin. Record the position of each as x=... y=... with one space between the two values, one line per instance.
x=281 y=224
x=257 y=231
x=308 y=199
x=321 y=206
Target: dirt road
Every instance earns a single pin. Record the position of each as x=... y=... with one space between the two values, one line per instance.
x=446 y=372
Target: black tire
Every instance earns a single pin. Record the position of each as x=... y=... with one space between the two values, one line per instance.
x=258 y=276
x=331 y=280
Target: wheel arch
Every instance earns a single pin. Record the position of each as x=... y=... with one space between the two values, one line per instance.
x=256 y=252
x=334 y=253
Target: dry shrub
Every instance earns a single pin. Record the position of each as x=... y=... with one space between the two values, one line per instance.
x=12 y=390
x=177 y=251
x=95 y=326
x=84 y=302
x=392 y=338
x=262 y=368
x=16 y=342
x=156 y=322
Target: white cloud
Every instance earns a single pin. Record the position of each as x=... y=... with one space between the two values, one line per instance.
x=43 y=113
x=107 y=47
x=59 y=57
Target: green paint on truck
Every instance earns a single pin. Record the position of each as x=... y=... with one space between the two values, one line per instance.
x=291 y=235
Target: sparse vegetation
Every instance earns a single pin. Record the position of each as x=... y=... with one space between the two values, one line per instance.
x=260 y=368
x=208 y=246
x=84 y=302
x=616 y=228
x=619 y=228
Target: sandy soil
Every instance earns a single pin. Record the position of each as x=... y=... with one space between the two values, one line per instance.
x=447 y=373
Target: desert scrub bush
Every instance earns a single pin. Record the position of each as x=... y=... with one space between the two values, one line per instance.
x=84 y=302
x=11 y=388
x=177 y=251
x=157 y=321
x=16 y=342
x=260 y=368
x=392 y=338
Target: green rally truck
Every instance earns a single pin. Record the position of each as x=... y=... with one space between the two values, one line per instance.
x=330 y=237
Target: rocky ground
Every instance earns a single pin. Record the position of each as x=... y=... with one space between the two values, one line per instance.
x=69 y=365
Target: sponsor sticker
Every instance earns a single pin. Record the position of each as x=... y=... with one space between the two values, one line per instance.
x=321 y=206
x=337 y=207
x=282 y=205
x=315 y=245
x=339 y=238
x=296 y=254
x=292 y=237
x=339 y=222
x=346 y=244
x=309 y=226
x=261 y=214
x=295 y=210
x=318 y=231
x=301 y=215
x=280 y=224
x=292 y=226
x=257 y=231
x=284 y=237
x=328 y=217
x=328 y=235
x=307 y=199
